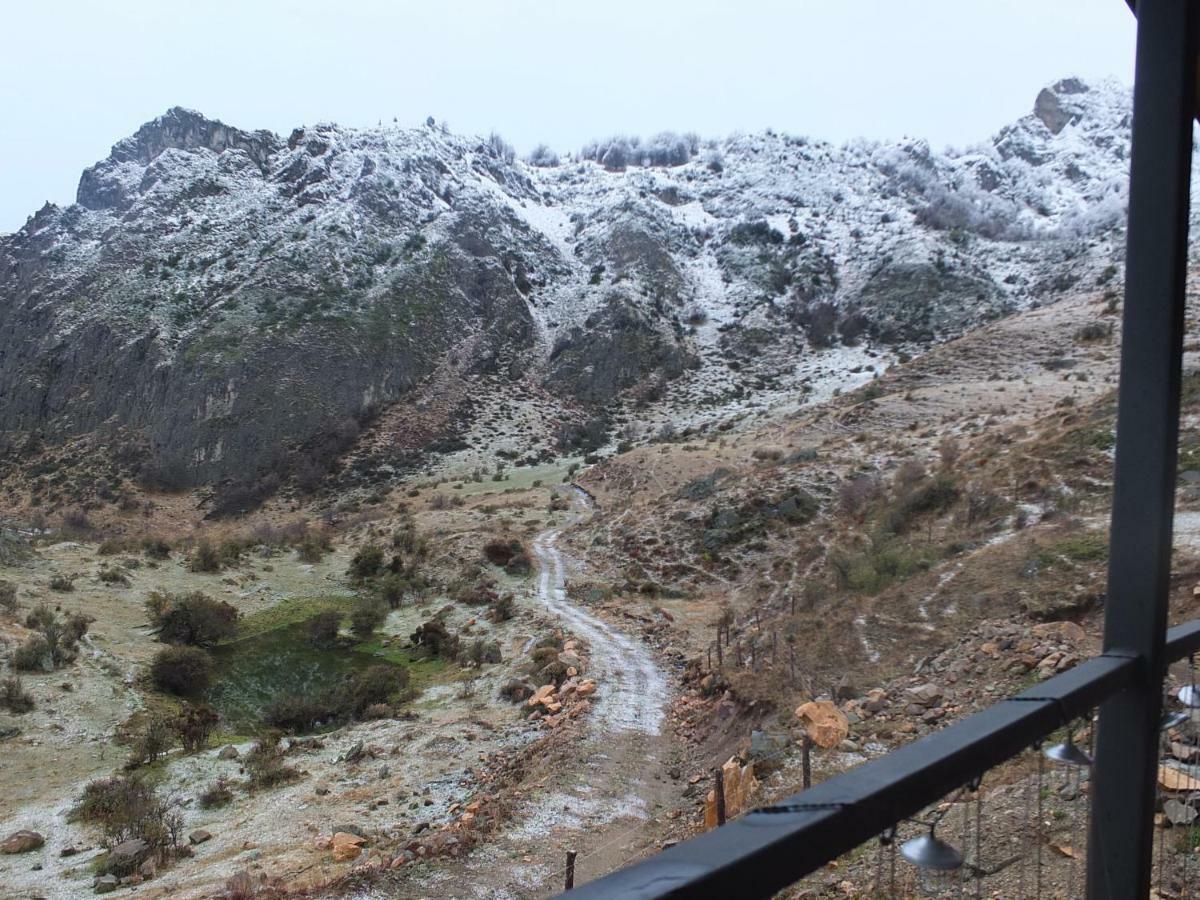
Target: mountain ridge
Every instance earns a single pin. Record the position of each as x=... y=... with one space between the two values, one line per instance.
x=236 y=300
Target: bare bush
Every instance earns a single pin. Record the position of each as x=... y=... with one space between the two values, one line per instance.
x=14 y=697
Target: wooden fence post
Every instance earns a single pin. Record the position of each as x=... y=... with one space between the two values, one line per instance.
x=570 y=881
x=719 y=795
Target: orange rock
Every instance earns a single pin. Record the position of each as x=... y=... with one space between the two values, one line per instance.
x=540 y=695
x=1172 y=779
x=347 y=846
x=586 y=688
x=825 y=724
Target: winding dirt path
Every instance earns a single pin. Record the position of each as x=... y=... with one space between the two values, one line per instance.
x=633 y=691
x=605 y=804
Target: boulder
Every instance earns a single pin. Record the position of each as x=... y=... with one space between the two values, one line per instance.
x=1173 y=779
x=764 y=745
x=347 y=846
x=927 y=694
x=228 y=752
x=105 y=884
x=199 y=836
x=21 y=841
x=586 y=688
x=125 y=857
x=1178 y=812
x=825 y=724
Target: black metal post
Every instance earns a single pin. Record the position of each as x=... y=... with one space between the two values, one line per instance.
x=1119 y=852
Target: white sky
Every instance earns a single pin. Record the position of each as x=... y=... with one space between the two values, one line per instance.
x=77 y=75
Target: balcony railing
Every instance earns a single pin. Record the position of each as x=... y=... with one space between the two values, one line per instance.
x=773 y=847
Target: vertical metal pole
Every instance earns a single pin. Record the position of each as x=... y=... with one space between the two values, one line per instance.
x=806 y=761
x=1121 y=833
x=719 y=794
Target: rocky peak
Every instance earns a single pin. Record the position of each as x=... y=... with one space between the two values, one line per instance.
x=1064 y=103
x=186 y=129
x=176 y=129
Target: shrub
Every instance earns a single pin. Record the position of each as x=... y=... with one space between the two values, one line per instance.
x=436 y=638
x=301 y=712
x=935 y=496
x=114 y=575
x=194 y=619
x=8 y=598
x=205 y=558
x=379 y=683
x=856 y=495
x=240 y=886
x=313 y=548
x=183 y=671
x=156 y=548
x=1093 y=331
x=367 y=615
x=152 y=743
x=55 y=643
x=128 y=808
x=502 y=608
x=367 y=562
x=195 y=725
x=482 y=651
x=216 y=795
x=14 y=697
x=265 y=766
x=391 y=588
x=543 y=157
x=516 y=691
x=62 y=583
x=76 y=522
x=322 y=629
x=33 y=655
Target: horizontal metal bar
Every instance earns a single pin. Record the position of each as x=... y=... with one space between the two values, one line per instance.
x=764 y=851
x=1182 y=640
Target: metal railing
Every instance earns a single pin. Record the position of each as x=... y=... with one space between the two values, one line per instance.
x=773 y=847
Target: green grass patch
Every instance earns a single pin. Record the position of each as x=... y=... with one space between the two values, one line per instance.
x=289 y=612
x=873 y=570
x=1088 y=547
x=424 y=670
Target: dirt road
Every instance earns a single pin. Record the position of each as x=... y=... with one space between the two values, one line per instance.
x=605 y=803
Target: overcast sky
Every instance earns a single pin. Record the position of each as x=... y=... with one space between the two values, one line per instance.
x=77 y=75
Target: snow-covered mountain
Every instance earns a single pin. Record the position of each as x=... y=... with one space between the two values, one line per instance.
x=236 y=303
